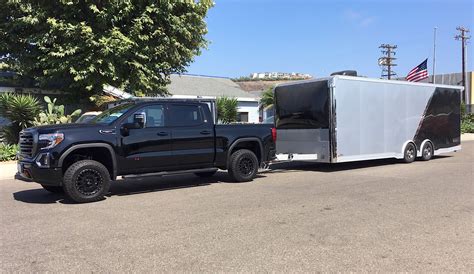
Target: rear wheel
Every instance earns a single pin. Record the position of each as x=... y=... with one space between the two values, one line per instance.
x=86 y=181
x=243 y=165
x=427 y=151
x=53 y=189
x=409 y=154
x=205 y=174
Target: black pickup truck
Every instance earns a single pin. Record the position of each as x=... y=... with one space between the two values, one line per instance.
x=137 y=138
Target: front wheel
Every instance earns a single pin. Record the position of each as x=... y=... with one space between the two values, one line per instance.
x=409 y=154
x=243 y=165
x=86 y=181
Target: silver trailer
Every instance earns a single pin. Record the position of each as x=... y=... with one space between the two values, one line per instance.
x=344 y=118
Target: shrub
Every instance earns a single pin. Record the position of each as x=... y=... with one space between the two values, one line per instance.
x=467 y=120
x=55 y=114
x=20 y=109
x=227 y=110
x=8 y=152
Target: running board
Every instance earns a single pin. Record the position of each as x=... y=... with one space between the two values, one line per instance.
x=166 y=173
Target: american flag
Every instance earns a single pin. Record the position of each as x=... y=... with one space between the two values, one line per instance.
x=419 y=73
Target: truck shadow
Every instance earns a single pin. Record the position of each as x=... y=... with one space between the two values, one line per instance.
x=325 y=167
x=127 y=187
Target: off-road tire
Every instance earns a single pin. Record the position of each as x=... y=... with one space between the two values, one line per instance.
x=409 y=154
x=86 y=181
x=53 y=189
x=427 y=151
x=206 y=174
x=243 y=165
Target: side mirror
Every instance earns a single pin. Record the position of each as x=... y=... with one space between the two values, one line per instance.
x=140 y=119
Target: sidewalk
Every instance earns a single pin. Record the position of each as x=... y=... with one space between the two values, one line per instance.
x=8 y=169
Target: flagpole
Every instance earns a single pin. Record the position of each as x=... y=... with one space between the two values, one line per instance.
x=434 y=54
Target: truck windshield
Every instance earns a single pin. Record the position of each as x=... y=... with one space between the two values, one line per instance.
x=110 y=115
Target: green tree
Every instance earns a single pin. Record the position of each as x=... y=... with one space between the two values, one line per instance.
x=267 y=99
x=227 y=110
x=79 y=45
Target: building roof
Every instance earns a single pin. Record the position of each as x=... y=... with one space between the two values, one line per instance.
x=205 y=86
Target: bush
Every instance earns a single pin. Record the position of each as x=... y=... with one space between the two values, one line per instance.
x=20 y=109
x=8 y=152
x=467 y=120
x=227 y=110
x=55 y=114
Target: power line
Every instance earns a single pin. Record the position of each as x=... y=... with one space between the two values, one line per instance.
x=387 y=60
x=463 y=37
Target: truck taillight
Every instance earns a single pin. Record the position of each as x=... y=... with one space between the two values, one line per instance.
x=274 y=134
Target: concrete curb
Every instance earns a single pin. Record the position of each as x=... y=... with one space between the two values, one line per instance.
x=9 y=169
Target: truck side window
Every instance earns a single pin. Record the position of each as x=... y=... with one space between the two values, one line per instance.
x=155 y=116
x=185 y=115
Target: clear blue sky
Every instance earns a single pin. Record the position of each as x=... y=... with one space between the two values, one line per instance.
x=320 y=37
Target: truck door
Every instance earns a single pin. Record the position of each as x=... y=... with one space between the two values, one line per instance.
x=192 y=132
x=147 y=149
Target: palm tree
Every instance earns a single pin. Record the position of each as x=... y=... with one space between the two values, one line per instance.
x=227 y=110
x=267 y=99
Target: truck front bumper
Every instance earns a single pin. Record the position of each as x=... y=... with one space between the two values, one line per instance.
x=30 y=172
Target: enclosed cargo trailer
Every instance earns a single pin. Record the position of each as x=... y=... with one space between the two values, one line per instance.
x=345 y=118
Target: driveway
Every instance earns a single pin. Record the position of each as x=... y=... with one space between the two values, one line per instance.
x=373 y=216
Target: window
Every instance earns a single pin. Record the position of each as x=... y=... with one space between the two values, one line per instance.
x=155 y=116
x=243 y=117
x=185 y=115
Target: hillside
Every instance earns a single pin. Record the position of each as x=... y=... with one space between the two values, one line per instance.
x=259 y=85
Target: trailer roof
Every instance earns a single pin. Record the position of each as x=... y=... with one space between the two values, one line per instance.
x=355 y=78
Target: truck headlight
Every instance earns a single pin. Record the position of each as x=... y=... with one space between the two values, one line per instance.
x=47 y=141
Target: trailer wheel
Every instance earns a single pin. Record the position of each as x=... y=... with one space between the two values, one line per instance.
x=409 y=154
x=243 y=165
x=427 y=151
x=86 y=181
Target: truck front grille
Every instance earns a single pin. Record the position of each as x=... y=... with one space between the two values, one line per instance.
x=26 y=144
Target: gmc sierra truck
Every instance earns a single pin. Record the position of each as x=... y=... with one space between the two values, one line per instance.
x=139 y=138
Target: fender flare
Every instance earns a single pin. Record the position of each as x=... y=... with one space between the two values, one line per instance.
x=245 y=139
x=91 y=145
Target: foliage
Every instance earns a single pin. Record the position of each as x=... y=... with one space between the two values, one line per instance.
x=267 y=98
x=226 y=110
x=467 y=120
x=55 y=114
x=82 y=45
x=20 y=109
x=8 y=152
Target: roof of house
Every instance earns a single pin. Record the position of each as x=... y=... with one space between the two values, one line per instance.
x=205 y=86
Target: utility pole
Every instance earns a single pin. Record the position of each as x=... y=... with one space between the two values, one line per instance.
x=387 y=61
x=434 y=54
x=463 y=37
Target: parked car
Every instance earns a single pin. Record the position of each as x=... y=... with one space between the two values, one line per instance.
x=140 y=138
x=86 y=117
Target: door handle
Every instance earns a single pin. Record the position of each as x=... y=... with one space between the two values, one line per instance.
x=205 y=132
x=162 y=133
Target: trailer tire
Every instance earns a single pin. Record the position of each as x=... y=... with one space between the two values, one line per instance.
x=409 y=154
x=86 y=181
x=53 y=189
x=427 y=151
x=243 y=165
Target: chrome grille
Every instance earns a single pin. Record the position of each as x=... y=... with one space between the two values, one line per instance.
x=26 y=144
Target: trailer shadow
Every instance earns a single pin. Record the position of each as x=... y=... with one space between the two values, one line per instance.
x=125 y=187
x=326 y=167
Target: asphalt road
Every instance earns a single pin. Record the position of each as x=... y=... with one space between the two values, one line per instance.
x=373 y=216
